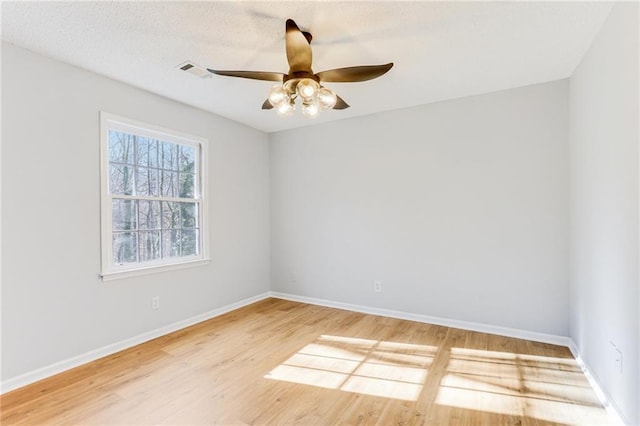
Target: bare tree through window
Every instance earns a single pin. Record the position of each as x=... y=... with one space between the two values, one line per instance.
x=152 y=184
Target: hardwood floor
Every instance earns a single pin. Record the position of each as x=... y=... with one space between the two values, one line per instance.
x=281 y=362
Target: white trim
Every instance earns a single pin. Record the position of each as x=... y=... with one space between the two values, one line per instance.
x=465 y=325
x=127 y=273
x=603 y=396
x=152 y=131
x=64 y=365
x=105 y=213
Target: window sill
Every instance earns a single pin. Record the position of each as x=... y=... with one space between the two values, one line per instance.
x=128 y=273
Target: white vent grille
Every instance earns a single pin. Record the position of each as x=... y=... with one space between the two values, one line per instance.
x=194 y=69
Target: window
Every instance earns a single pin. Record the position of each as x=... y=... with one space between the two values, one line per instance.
x=153 y=208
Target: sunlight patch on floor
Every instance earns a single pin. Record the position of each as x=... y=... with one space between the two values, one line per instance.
x=546 y=388
x=387 y=369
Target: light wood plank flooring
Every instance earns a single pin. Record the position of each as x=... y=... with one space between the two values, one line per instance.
x=281 y=362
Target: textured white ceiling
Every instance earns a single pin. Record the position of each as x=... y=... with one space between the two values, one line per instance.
x=441 y=50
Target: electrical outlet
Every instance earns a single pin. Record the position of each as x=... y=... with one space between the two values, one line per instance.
x=617 y=357
x=155 y=302
x=619 y=361
x=377 y=286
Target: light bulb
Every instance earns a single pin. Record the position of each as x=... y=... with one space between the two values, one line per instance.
x=286 y=108
x=307 y=88
x=277 y=95
x=327 y=98
x=310 y=109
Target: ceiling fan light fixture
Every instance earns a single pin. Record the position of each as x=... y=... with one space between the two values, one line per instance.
x=286 y=108
x=326 y=98
x=307 y=88
x=277 y=95
x=310 y=109
x=290 y=85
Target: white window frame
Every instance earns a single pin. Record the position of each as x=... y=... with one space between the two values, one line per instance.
x=109 y=269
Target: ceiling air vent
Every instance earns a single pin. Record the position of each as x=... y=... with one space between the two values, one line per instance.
x=194 y=69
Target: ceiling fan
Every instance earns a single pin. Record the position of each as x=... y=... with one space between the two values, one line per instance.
x=301 y=82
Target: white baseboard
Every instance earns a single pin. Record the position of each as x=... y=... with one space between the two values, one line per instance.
x=465 y=325
x=59 y=367
x=603 y=396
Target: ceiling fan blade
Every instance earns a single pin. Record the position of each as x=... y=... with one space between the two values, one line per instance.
x=340 y=104
x=267 y=105
x=254 y=75
x=298 y=48
x=353 y=74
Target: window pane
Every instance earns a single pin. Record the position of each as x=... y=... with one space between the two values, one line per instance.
x=169 y=156
x=189 y=215
x=171 y=243
x=149 y=214
x=170 y=215
x=149 y=245
x=189 y=242
x=168 y=184
x=124 y=215
x=147 y=181
x=187 y=159
x=121 y=179
x=125 y=247
x=120 y=147
x=147 y=150
x=187 y=181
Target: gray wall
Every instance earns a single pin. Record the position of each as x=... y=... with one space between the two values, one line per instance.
x=460 y=208
x=604 y=208
x=54 y=306
x=464 y=209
